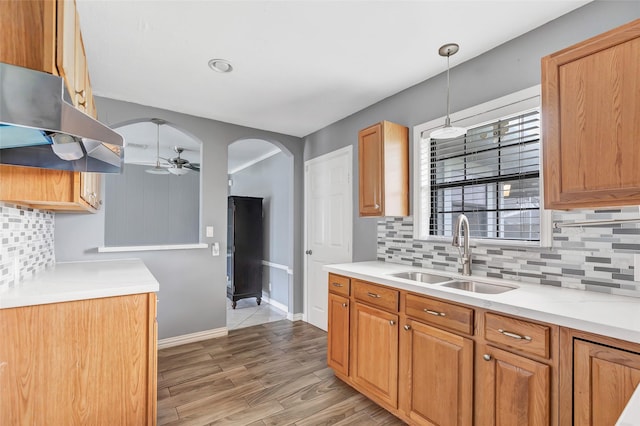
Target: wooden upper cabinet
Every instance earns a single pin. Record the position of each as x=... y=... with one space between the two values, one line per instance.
x=28 y=34
x=604 y=379
x=45 y=35
x=66 y=44
x=383 y=166
x=591 y=121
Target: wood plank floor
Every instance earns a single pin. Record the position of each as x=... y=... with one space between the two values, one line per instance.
x=269 y=374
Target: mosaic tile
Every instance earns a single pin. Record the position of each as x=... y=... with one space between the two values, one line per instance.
x=592 y=258
x=27 y=242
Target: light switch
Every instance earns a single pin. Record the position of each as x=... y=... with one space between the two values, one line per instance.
x=215 y=249
x=209 y=231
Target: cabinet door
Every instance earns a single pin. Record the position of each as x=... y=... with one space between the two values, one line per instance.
x=79 y=363
x=603 y=380
x=90 y=184
x=511 y=389
x=66 y=49
x=591 y=112
x=81 y=72
x=338 y=336
x=375 y=352
x=370 y=171
x=27 y=34
x=437 y=376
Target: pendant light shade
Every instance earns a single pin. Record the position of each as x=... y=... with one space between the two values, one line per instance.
x=448 y=131
x=158 y=169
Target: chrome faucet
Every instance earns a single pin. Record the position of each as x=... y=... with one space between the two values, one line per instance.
x=465 y=256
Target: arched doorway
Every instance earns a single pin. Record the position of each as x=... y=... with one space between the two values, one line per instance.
x=264 y=169
x=156 y=200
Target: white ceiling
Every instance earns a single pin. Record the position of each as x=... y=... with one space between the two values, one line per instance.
x=247 y=152
x=298 y=65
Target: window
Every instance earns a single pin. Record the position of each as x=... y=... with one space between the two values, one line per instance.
x=492 y=174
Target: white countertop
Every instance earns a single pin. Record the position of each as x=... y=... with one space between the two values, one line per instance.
x=68 y=281
x=599 y=313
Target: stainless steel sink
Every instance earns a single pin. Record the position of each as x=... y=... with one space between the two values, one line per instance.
x=422 y=277
x=477 y=287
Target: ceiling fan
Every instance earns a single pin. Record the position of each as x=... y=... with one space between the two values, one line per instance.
x=180 y=166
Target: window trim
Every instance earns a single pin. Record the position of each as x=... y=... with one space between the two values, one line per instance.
x=489 y=111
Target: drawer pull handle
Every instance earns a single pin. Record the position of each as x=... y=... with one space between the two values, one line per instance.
x=375 y=296
x=337 y=285
x=344 y=305
x=436 y=313
x=514 y=335
x=392 y=322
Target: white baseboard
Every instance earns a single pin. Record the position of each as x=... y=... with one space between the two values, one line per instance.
x=193 y=337
x=295 y=317
x=282 y=307
x=275 y=303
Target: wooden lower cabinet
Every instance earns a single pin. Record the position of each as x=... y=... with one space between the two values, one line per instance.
x=80 y=363
x=511 y=389
x=604 y=379
x=338 y=336
x=436 y=376
x=374 y=344
x=433 y=362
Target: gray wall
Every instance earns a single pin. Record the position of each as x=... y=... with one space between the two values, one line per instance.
x=192 y=282
x=508 y=68
x=147 y=209
x=270 y=179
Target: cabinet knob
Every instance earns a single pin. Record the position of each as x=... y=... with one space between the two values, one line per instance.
x=309 y=252
x=486 y=357
x=407 y=327
x=392 y=322
x=344 y=305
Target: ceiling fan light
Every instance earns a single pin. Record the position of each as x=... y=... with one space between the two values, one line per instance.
x=157 y=170
x=178 y=171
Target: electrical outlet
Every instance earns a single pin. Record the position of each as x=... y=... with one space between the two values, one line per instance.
x=215 y=249
x=209 y=230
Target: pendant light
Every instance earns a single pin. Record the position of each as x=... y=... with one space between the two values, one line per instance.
x=448 y=131
x=158 y=169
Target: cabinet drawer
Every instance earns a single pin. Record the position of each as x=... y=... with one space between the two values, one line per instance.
x=518 y=334
x=339 y=285
x=440 y=313
x=372 y=294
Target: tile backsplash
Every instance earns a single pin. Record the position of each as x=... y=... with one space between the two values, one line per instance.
x=594 y=257
x=26 y=242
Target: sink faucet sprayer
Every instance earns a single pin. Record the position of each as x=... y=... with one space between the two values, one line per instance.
x=465 y=257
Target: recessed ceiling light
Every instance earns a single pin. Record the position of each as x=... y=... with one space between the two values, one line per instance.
x=220 y=65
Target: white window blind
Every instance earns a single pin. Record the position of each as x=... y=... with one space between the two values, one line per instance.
x=492 y=175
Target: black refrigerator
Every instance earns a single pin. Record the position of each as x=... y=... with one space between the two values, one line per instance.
x=244 y=248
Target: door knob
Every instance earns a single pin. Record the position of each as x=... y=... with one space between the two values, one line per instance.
x=309 y=252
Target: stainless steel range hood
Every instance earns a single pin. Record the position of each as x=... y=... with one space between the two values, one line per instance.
x=39 y=128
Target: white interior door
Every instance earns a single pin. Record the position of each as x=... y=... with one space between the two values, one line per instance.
x=328 y=219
